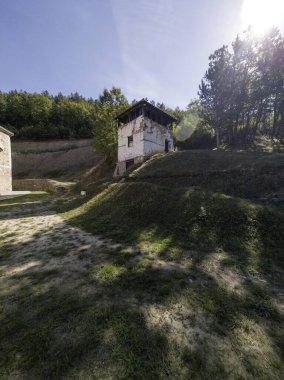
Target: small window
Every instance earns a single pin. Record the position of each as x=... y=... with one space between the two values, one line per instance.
x=130 y=141
x=129 y=163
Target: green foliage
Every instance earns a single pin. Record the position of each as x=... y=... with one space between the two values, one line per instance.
x=203 y=137
x=192 y=132
x=242 y=91
x=109 y=104
x=42 y=116
x=188 y=122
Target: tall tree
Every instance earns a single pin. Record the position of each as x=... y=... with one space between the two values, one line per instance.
x=242 y=91
x=109 y=104
x=215 y=91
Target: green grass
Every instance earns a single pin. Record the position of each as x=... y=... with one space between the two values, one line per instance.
x=102 y=325
x=108 y=273
x=187 y=162
x=185 y=208
x=166 y=220
x=253 y=175
x=32 y=196
x=192 y=291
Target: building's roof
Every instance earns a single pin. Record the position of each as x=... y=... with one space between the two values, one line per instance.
x=162 y=115
x=4 y=130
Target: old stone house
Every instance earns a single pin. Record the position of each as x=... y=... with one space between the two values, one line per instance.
x=143 y=130
x=5 y=161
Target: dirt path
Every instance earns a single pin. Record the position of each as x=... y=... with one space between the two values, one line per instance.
x=40 y=240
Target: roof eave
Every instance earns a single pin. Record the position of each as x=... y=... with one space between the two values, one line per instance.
x=170 y=117
x=129 y=109
x=6 y=131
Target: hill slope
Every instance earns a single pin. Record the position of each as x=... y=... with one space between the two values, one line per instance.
x=65 y=159
x=191 y=194
x=207 y=231
x=253 y=175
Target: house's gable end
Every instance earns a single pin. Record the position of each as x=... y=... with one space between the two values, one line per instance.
x=143 y=107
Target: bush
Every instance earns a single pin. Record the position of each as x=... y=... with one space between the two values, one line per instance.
x=202 y=138
x=37 y=132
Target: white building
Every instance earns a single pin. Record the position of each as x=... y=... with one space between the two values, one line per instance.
x=5 y=161
x=143 y=130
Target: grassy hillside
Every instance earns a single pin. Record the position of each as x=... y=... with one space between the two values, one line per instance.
x=66 y=159
x=206 y=264
x=183 y=217
x=234 y=199
x=251 y=175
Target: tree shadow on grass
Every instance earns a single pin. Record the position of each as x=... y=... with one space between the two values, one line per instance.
x=97 y=322
x=97 y=326
x=47 y=331
x=25 y=207
x=192 y=225
x=186 y=219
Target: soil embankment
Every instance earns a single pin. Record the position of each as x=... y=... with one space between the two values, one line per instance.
x=66 y=159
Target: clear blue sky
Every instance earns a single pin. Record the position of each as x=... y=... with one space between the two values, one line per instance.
x=150 y=48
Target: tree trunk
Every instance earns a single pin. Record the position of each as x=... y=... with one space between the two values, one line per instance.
x=247 y=128
x=235 y=130
x=254 y=129
x=275 y=118
x=218 y=137
x=281 y=128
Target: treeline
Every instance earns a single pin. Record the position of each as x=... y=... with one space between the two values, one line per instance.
x=242 y=92
x=43 y=116
x=240 y=97
x=189 y=133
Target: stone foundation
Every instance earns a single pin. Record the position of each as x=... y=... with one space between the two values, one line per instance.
x=120 y=168
x=5 y=180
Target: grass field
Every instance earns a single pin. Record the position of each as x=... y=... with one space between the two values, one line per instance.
x=190 y=286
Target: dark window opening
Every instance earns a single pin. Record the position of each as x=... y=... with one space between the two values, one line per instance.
x=166 y=146
x=129 y=163
x=130 y=141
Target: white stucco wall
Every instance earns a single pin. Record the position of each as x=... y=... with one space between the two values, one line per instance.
x=155 y=136
x=135 y=129
x=5 y=164
x=148 y=138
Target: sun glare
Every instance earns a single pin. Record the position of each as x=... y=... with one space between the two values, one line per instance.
x=262 y=15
